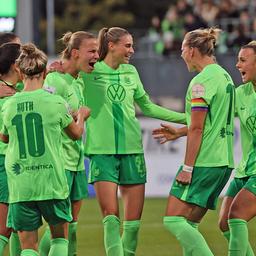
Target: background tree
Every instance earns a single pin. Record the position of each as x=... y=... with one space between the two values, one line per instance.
x=92 y=15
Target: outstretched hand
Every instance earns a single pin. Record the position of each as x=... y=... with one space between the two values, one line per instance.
x=165 y=133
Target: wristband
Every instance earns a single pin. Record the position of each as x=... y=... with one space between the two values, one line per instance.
x=187 y=168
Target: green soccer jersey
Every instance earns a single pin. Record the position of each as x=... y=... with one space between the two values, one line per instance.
x=246 y=111
x=61 y=84
x=34 y=121
x=110 y=94
x=215 y=86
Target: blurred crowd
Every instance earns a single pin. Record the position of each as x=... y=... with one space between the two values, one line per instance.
x=236 y=18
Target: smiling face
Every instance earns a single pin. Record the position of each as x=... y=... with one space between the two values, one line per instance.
x=122 y=50
x=246 y=64
x=87 y=55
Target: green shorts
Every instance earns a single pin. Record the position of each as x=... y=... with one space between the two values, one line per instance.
x=4 y=192
x=120 y=169
x=78 y=185
x=206 y=185
x=237 y=184
x=27 y=216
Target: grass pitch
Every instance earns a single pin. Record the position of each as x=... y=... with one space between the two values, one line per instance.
x=154 y=240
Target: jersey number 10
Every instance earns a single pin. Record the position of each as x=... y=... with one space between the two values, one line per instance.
x=33 y=128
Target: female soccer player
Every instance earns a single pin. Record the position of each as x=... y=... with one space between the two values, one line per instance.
x=9 y=76
x=6 y=91
x=36 y=179
x=113 y=140
x=239 y=204
x=80 y=54
x=209 y=152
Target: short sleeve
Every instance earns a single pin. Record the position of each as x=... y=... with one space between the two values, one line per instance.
x=55 y=84
x=202 y=88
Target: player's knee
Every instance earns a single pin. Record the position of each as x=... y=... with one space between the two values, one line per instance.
x=235 y=212
x=234 y=215
x=110 y=211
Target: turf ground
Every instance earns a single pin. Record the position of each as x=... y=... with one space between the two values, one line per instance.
x=154 y=240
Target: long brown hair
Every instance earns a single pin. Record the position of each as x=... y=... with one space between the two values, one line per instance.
x=9 y=52
x=107 y=35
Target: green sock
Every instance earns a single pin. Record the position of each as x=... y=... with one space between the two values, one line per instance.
x=14 y=245
x=194 y=225
x=45 y=242
x=3 y=242
x=190 y=238
x=112 y=239
x=72 y=238
x=239 y=240
x=130 y=236
x=29 y=252
x=59 y=247
x=249 y=251
x=226 y=234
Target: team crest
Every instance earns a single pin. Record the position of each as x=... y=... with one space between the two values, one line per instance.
x=96 y=172
x=198 y=91
x=127 y=80
x=49 y=89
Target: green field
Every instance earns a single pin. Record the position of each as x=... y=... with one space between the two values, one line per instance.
x=154 y=240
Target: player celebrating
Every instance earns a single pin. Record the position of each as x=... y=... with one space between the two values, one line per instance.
x=209 y=152
x=113 y=140
x=36 y=179
x=239 y=204
x=80 y=54
x=9 y=77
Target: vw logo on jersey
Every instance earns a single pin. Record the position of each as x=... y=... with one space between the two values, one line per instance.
x=116 y=92
x=251 y=124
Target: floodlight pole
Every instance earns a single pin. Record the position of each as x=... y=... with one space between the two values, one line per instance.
x=24 y=28
x=50 y=27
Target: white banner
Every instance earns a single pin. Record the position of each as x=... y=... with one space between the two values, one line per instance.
x=164 y=160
